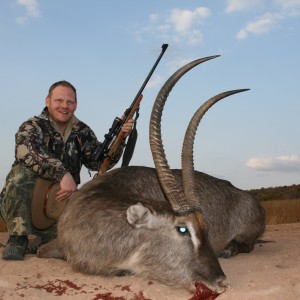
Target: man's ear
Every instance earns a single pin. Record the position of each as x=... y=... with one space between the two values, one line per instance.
x=47 y=101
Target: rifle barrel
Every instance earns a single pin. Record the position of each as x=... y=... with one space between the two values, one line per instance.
x=164 y=48
x=118 y=123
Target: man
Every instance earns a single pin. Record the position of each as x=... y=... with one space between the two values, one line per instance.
x=53 y=146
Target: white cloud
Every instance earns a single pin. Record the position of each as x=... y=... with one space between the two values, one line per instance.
x=279 y=11
x=155 y=82
x=242 y=5
x=264 y=24
x=183 y=19
x=288 y=4
x=290 y=8
x=32 y=9
x=178 y=26
x=153 y=17
x=285 y=163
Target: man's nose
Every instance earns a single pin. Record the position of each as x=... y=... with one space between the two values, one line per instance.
x=64 y=104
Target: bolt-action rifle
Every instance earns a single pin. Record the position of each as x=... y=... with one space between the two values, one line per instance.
x=115 y=138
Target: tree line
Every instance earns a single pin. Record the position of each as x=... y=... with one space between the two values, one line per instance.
x=291 y=192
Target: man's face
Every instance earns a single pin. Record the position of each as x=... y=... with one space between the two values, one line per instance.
x=61 y=105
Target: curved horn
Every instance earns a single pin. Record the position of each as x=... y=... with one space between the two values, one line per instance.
x=188 y=145
x=173 y=191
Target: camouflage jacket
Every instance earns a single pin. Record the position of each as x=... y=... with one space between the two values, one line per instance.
x=42 y=148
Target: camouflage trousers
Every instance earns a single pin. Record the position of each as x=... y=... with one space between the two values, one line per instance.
x=16 y=204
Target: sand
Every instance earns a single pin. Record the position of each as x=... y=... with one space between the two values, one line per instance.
x=271 y=271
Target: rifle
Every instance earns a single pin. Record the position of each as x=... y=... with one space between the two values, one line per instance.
x=115 y=139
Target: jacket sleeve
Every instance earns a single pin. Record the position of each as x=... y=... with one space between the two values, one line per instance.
x=32 y=152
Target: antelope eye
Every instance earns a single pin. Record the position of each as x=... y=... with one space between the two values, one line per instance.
x=182 y=230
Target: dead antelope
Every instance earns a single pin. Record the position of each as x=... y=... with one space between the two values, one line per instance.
x=163 y=224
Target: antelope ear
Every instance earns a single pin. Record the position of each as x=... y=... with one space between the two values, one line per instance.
x=140 y=216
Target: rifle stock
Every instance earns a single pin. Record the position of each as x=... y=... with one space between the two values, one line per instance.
x=115 y=138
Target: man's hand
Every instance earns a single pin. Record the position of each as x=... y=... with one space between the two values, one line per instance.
x=67 y=187
x=127 y=127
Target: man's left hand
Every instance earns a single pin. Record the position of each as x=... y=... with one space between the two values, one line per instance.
x=127 y=127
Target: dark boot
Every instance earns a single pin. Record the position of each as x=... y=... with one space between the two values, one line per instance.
x=34 y=242
x=15 y=247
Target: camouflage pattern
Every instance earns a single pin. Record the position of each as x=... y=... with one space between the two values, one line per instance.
x=43 y=151
x=16 y=204
x=42 y=148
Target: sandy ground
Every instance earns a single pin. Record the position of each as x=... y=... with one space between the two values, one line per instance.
x=271 y=271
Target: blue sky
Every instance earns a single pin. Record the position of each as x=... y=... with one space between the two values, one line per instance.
x=107 y=48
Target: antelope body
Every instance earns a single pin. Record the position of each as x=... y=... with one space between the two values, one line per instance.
x=162 y=224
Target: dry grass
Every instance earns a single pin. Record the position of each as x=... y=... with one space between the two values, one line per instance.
x=282 y=211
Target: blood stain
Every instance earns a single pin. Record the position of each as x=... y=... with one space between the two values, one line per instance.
x=140 y=296
x=107 y=296
x=59 y=287
x=125 y=288
x=203 y=292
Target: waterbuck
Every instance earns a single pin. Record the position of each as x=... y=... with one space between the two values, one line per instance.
x=159 y=223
